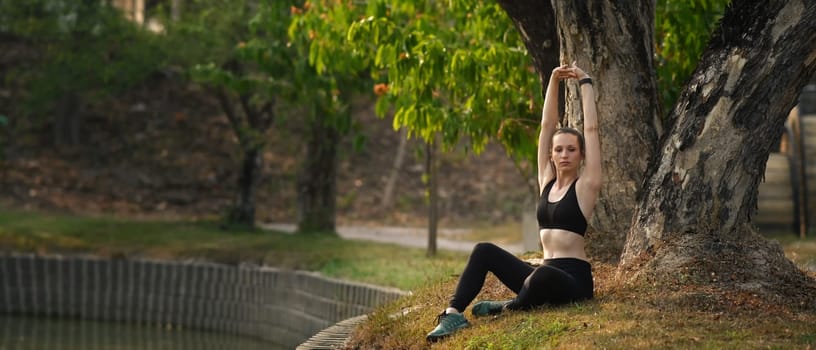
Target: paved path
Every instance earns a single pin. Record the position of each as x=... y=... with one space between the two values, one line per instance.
x=448 y=239
x=405 y=236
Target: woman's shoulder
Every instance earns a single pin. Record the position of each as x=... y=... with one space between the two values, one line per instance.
x=547 y=184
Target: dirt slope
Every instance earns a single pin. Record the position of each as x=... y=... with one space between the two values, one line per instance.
x=166 y=150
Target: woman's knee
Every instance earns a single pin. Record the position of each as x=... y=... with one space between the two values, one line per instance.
x=483 y=248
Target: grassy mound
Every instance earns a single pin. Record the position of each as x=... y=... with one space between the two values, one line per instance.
x=643 y=317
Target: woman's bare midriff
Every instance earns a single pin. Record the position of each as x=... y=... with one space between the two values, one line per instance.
x=558 y=243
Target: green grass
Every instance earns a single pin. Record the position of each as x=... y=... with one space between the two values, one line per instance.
x=509 y=232
x=801 y=251
x=382 y=264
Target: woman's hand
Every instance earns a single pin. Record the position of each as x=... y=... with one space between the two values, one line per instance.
x=569 y=71
x=562 y=72
x=577 y=73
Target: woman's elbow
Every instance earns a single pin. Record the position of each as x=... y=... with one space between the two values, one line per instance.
x=590 y=128
x=594 y=183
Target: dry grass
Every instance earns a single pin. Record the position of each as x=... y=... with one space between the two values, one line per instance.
x=642 y=317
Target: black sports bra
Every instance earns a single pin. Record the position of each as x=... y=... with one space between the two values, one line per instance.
x=564 y=214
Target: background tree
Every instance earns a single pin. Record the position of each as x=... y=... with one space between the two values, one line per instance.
x=242 y=54
x=244 y=67
x=87 y=51
x=446 y=72
x=331 y=120
x=260 y=75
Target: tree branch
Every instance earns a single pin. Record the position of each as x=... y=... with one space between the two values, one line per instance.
x=234 y=119
x=535 y=21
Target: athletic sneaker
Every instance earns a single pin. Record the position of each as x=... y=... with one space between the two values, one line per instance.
x=447 y=324
x=488 y=307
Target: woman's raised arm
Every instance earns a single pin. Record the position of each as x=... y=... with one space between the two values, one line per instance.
x=589 y=185
x=549 y=120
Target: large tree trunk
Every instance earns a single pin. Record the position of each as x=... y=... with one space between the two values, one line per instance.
x=613 y=42
x=317 y=182
x=698 y=197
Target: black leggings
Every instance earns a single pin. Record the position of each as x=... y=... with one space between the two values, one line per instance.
x=556 y=281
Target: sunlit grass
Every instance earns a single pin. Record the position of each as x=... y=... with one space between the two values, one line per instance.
x=610 y=321
x=382 y=264
x=801 y=251
x=509 y=232
x=639 y=318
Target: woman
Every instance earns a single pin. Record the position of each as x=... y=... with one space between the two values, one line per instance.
x=566 y=203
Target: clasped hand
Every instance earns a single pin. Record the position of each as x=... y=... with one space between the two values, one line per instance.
x=569 y=71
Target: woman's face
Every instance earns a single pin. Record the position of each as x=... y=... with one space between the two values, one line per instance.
x=566 y=152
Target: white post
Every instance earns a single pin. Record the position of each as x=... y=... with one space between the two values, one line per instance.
x=529 y=231
x=175 y=10
x=138 y=11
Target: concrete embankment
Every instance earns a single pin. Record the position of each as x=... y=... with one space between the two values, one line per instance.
x=282 y=306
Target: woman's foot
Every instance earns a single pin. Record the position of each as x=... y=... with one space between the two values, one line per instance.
x=488 y=307
x=447 y=324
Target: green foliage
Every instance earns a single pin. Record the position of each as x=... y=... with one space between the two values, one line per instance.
x=459 y=68
x=87 y=49
x=243 y=53
x=236 y=46
x=244 y=48
x=454 y=68
x=682 y=30
x=222 y=34
x=347 y=76
x=207 y=31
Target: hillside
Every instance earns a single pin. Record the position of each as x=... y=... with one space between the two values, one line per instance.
x=165 y=151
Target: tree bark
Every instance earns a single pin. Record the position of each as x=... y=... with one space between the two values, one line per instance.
x=613 y=42
x=699 y=195
x=317 y=183
x=67 y=121
x=535 y=21
x=243 y=211
x=433 y=202
x=390 y=184
x=249 y=125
